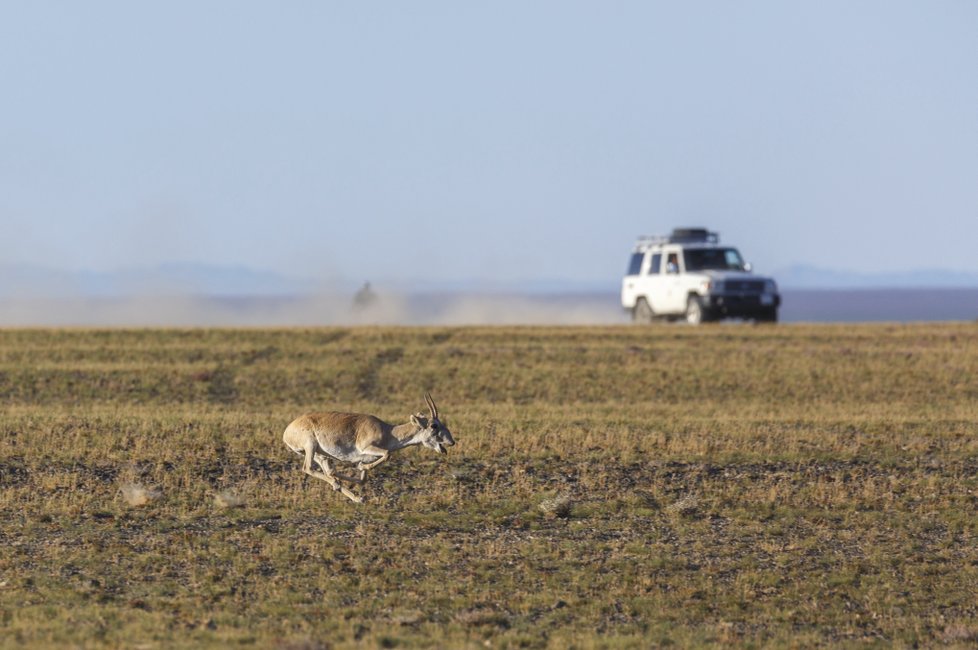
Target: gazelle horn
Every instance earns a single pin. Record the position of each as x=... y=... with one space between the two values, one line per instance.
x=431 y=406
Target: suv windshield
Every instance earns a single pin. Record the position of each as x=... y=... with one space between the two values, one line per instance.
x=712 y=259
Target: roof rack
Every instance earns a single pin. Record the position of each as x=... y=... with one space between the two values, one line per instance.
x=680 y=236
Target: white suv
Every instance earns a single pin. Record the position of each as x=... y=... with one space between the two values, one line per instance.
x=689 y=275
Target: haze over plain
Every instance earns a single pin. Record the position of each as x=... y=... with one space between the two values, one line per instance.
x=431 y=144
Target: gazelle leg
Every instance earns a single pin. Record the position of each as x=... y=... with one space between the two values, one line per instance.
x=336 y=485
x=324 y=462
x=350 y=495
x=377 y=451
x=328 y=477
x=352 y=479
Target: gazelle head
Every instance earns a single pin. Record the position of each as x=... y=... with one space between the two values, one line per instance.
x=434 y=434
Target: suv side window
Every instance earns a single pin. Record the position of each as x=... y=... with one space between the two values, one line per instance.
x=635 y=263
x=656 y=264
x=672 y=263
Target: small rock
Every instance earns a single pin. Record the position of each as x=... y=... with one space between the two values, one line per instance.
x=559 y=506
x=685 y=505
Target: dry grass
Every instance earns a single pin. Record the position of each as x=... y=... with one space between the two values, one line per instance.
x=612 y=487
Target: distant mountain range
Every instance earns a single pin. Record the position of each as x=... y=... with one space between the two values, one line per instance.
x=23 y=281
x=811 y=277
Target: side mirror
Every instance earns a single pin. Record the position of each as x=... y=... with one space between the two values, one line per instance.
x=748 y=267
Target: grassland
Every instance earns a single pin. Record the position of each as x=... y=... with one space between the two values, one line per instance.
x=612 y=487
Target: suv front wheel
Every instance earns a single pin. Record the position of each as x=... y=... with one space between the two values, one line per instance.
x=770 y=316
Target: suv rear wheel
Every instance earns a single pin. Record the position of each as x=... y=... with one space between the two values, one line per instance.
x=642 y=313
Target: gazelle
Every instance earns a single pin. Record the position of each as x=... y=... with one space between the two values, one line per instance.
x=362 y=439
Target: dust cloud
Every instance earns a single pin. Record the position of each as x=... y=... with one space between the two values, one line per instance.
x=323 y=309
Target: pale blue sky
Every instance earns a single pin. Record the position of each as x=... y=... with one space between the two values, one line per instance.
x=504 y=141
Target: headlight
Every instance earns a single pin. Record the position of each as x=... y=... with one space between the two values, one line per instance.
x=717 y=286
x=770 y=286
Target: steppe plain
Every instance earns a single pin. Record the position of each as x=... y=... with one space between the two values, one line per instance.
x=767 y=486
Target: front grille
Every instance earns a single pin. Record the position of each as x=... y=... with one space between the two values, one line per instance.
x=743 y=286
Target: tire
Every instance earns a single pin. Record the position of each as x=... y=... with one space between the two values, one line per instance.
x=642 y=312
x=771 y=316
x=695 y=314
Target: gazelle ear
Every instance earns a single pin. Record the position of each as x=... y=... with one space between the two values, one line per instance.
x=416 y=422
